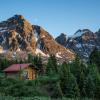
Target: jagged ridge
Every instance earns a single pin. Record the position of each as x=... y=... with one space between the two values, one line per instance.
x=17 y=34
x=82 y=42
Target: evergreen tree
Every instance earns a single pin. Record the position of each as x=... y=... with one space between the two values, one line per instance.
x=93 y=82
x=3 y=63
x=97 y=90
x=30 y=58
x=80 y=71
x=52 y=67
x=95 y=58
x=82 y=79
x=75 y=67
x=37 y=61
x=68 y=82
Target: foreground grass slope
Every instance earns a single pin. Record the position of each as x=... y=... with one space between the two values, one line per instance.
x=40 y=98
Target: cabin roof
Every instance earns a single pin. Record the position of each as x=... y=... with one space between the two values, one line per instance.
x=16 y=67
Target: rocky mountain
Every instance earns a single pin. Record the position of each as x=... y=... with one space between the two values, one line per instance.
x=62 y=39
x=18 y=35
x=82 y=42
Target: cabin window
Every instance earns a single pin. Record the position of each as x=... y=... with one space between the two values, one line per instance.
x=25 y=75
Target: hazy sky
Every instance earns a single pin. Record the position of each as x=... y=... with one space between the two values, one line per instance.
x=56 y=16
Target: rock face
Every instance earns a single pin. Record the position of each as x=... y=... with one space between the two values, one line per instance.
x=62 y=39
x=17 y=34
x=47 y=44
x=83 y=42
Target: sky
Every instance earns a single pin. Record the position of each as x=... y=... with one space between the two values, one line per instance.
x=55 y=16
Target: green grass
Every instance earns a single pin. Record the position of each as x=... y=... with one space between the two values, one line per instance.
x=37 y=98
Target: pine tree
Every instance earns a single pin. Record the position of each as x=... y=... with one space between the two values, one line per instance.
x=93 y=81
x=3 y=63
x=37 y=61
x=80 y=71
x=68 y=82
x=30 y=58
x=75 y=67
x=95 y=58
x=52 y=67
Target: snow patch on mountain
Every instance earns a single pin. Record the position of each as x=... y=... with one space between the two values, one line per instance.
x=36 y=39
x=2 y=30
x=79 y=33
x=17 y=33
x=70 y=40
x=58 y=55
x=2 y=51
x=69 y=51
x=43 y=36
x=36 y=34
x=78 y=45
x=38 y=46
x=38 y=51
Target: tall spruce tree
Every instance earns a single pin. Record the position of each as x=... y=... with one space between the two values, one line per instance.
x=37 y=61
x=68 y=82
x=30 y=58
x=95 y=58
x=52 y=67
x=3 y=63
x=80 y=71
x=93 y=82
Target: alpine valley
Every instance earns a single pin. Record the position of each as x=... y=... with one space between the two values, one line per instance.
x=35 y=66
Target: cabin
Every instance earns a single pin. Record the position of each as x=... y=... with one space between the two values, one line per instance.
x=21 y=71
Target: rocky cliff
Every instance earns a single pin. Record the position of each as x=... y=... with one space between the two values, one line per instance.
x=18 y=35
x=82 y=42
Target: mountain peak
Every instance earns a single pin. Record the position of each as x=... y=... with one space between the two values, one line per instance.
x=17 y=34
x=17 y=17
x=82 y=42
x=62 y=39
x=81 y=32
x=62 y=34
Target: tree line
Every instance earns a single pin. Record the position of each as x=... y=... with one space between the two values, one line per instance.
x=73 y=80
